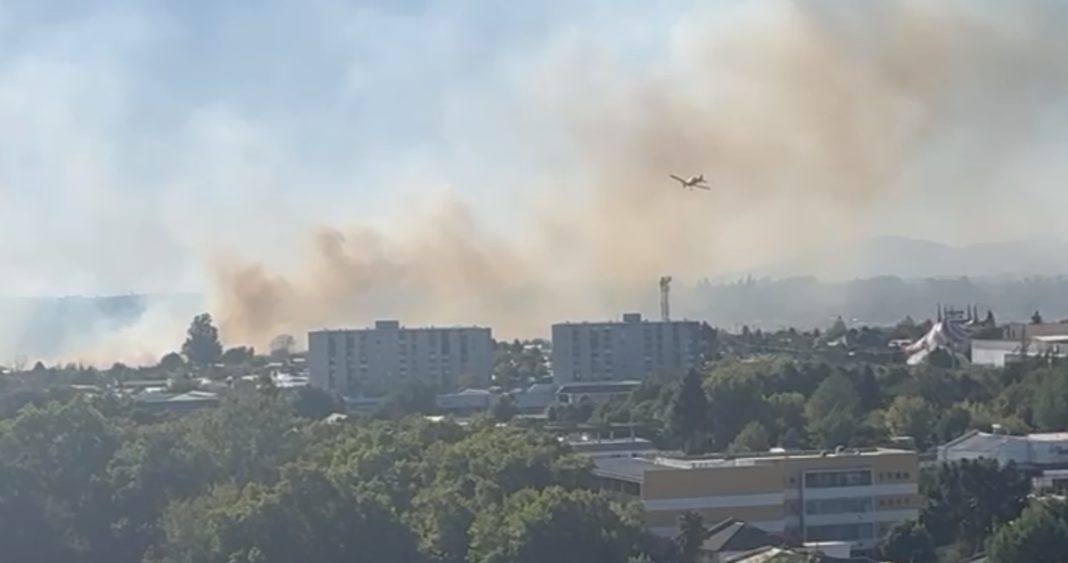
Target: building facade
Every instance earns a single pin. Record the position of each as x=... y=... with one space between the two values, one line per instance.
x=374 y=361
x=630 y=350
x=852 y=495
x=1032 y=452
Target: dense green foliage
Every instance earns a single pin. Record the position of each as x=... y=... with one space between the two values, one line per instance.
x=908 y=543
x=1039 y=535
x=250 y=481
x=808 y=403
x=202 y=345
x=87 y=476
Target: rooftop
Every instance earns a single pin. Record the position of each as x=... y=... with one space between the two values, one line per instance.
x=735 y=535
x=628 y=318
x=634 y=468
x=986 y=441
x=599 y=387
x=395 y=325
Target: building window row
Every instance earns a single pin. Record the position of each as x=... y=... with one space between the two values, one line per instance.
x=828 y=479
x=838 y=506
x=898 y=502
x=841 y=532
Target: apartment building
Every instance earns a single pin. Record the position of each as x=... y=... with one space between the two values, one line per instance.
x=373 y=361
x=849 y=495
x=634 y=349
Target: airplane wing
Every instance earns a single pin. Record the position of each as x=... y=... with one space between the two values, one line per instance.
x=703 y=186
x=683 y=180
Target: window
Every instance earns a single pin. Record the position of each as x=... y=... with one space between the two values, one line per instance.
x=841 y=532
x=838 y=506
x=827 y=479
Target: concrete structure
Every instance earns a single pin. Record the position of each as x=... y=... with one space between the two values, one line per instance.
x=536 y=398
x=1051 y=481
x=1027 y=331
x=1032 y=451
x=794 y=555
x=997 y=353
x=373 y=361
x=468 y=401
x=610 y=447
x=162 y=401
x=850 y=495
x=630 y=350
x=596 y=393
x=732 y=538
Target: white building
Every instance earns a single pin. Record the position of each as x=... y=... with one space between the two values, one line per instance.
x=854 y=496
x=468 y=400
x=630 y=350
x=999 y=352
x=376 y=360
x=1032 y=451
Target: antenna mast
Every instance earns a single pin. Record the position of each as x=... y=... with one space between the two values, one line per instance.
x=665 y=298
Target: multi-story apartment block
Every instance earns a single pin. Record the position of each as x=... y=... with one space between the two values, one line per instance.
x=375 y=360
x=848 y=495
x=630 y=350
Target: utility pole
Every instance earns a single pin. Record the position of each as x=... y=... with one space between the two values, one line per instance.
x=665 y=298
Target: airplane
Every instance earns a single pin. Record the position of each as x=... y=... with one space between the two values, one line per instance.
x=692 y=182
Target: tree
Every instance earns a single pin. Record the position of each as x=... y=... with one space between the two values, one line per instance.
x=837 y=330
x=283 y=346
x=1051 y=400
x=867 y=386
x=57 y=454
x=1039 y=535
x=688 y=414
x=314 y=403
x=171 y=362
x=753 y=438
x=505 y=409
x=953 y=423
x=967 y=500
x=304 y=517
x=692 y=534
x=911 y=416
x=202 y=346
x=831 y=411
x=415 y=397
x=238 y=355
x=735 y=398
x=908 y=542
x=555 y=525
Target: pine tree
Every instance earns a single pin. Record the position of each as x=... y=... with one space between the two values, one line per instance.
x=689 y=414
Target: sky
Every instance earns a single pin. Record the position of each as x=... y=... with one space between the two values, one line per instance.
x=150 y=130
x=303 y=164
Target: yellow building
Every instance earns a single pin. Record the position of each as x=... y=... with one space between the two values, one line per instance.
x=853 y=495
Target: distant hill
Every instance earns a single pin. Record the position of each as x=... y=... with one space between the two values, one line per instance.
x=52 y=327
x=913 y=258
x=805 y=302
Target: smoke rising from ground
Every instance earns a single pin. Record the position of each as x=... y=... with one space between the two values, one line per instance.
x=446 y=163
x=815 y=122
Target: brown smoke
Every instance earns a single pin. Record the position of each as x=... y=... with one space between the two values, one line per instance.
x=809 y=121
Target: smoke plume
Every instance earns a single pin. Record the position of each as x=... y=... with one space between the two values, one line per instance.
x=816 y=123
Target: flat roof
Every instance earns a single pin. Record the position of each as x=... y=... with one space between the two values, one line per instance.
x=598 y=387
x=634 y=468
x=625 y=323
x=400 y=328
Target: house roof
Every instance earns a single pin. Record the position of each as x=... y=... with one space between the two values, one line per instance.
x=780 y=555
x=600 y=387
x=735 y=535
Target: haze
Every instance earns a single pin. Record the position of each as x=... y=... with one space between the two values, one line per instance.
x=308 y=164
